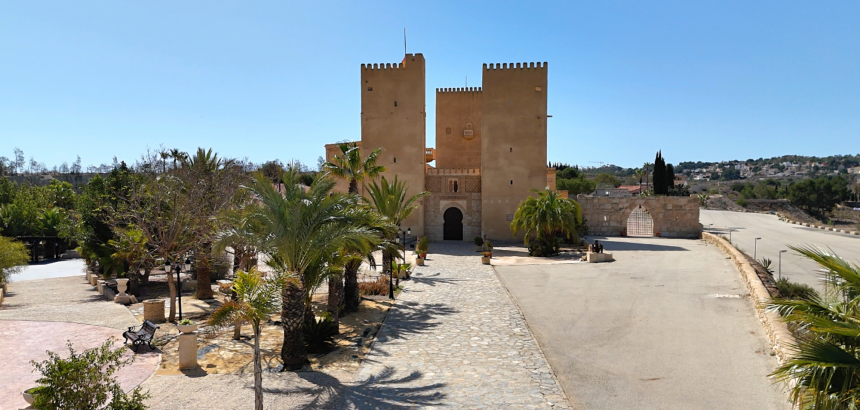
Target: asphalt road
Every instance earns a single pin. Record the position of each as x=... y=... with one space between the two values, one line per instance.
x=52 y=269
x=776 y=235
x=668 y=325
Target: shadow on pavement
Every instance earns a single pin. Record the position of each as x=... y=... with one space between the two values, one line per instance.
x=614 y=245
x=383 y=390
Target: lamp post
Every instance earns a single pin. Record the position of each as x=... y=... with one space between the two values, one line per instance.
x=709 y=227
x=780 y=262
x=178 y=269
x=755 y=248
x=730 y=234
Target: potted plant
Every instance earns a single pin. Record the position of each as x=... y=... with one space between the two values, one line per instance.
x=423 y=245
x=485 y=258
x=489 y=246
x=30 y=394
x=479 y=244
x=186 y=325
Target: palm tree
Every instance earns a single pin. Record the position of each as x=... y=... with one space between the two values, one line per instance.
x=301 y=232
x=543 y=218
x=349 y=165
x=256 y=301
x=647 y=167
x=641 y=173
x=390 y=201
x=240 y=233
x=824 y=372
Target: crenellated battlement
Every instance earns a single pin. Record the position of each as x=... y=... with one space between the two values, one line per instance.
x=459 y=90
x=512 y=66
x=391 y=66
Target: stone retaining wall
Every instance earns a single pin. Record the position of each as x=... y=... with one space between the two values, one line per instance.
x=674 y=216
x=785 y=218
x=778 y=334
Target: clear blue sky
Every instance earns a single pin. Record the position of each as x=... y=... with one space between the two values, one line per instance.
x=700 y=80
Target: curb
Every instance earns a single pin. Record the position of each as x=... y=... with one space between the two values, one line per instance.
x=813 y=226
x=779 y=336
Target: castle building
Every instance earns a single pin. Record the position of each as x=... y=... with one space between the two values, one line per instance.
x=491 y=144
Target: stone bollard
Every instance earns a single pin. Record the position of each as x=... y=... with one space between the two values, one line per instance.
x=188 y=351
x=153 y=310
x=100 y=285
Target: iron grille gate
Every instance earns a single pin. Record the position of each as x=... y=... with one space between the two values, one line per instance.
x=640 y=223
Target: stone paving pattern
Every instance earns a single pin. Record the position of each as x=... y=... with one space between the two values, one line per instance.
x=457 y=340
x=67 y=299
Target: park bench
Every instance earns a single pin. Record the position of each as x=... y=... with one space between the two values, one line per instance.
x=141 y=336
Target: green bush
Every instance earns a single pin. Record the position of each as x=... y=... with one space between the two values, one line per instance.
x=13 y=257
x=85 y=381
x=543 y=246
x=793 y=290
x=319 y=336
x=742 y=202
x=478 y=241
x=423 y=245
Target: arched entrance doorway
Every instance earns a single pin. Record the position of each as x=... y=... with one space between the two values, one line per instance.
x=452 y=230
x=640 y=223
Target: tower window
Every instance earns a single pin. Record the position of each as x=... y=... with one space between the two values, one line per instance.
x=512 y=182
x=448 y=130
x=512 y=149
x=395 y=159
x=369 y=88
x=395 y=103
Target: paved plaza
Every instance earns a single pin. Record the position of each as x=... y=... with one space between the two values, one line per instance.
x=668 y=325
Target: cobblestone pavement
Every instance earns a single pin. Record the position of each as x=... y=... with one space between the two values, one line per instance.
x=68 y=299
x=455 y=339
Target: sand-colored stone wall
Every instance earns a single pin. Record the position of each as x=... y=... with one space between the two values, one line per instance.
x=393 y=118
x=458 y=113
x=674 y=216
x=467 y=199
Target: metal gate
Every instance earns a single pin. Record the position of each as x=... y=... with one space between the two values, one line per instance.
x=639 y=223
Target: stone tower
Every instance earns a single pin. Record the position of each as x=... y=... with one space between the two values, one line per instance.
x=393 y=118
x=513 y=141
x=458 y=128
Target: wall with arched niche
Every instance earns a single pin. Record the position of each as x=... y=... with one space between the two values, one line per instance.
x=674 y=216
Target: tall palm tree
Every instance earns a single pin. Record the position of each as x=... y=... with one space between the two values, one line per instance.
x=640 y=173
x=256 y=301
x=348 y=165
x=240 y=232
x=302 y=231
x=824 y=372
x=647 y=167
x=545 y=217
x=392 y=202
x=207 y=169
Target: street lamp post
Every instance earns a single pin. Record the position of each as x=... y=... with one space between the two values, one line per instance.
x=709 y=227
x=177 y=268
x=730 y=234
x=780 y=262
x=755 y=248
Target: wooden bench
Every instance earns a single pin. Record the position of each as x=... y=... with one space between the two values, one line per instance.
x=141 y=336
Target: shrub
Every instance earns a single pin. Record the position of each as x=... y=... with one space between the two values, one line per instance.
x=793 y=290
x=13 y=257
x=423 y=245
x=376 y=288
x=479 y=241
x=543 y=246
x=319 y=335
x=742 y=202
x=85 y=381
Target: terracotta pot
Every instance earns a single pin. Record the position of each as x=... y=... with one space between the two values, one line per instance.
x=485 y=260
x=424 y=255
x=419 y=261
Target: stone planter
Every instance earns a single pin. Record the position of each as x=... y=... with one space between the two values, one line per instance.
x=28 y=396
x=186 y=329
x=100 y=286
x=419 y=261
x=121 y=287
x=153 y=310
x=485 y=260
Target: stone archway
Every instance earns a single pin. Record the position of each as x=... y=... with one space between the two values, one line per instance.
x=452 y=227
x=640 y=222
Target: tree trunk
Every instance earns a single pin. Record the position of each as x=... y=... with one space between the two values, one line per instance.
x=172 y=286
x=144 y=280
x=134 y=281
x=353 y=186
x=335 y=298
x=293 y=352
x=258 y=371
x=350 y=275
x=386 y=264
x=204 y=274
x=309 y=317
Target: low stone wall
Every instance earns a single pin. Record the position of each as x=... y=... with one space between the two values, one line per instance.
x=787 y=219
x=674 y=216
x=778 y=334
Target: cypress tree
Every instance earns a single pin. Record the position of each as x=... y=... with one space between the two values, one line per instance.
x=659 y=175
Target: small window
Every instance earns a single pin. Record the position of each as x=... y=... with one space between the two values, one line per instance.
x=395 y=103
x=369 y=88
x=512 y=149
x=395 y=159
x=512 y=182
x=509 y=217
x=448 y=130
